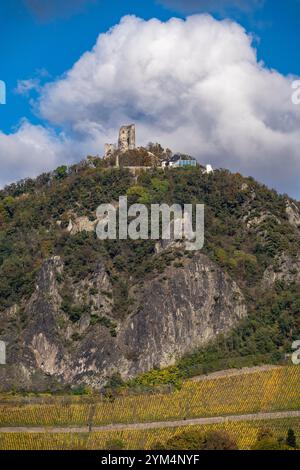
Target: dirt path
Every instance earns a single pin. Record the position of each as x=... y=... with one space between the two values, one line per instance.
x=155 y=425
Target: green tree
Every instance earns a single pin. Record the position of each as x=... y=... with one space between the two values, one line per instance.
x=195 y=440
x=267 y=441
x=61 y=172
x=9 y=205
x=291 y=439
x=115 y=444
x=268 y=444
x=138 y=194
x=218 y=440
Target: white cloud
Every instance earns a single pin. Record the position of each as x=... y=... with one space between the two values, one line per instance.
x=24 y=87
x=194 y=85
x=29 y=151
x=34 y=149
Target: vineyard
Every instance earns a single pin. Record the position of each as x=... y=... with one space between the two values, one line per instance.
x=244 y=433
x=261 y=391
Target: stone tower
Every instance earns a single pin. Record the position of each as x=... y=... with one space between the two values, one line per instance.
x=2 y=353
x=127 y=138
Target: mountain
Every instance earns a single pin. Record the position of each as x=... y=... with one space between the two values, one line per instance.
x=77 y=310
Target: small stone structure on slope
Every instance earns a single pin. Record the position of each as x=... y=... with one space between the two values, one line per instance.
x=126 y=141
x=126 y=138
x=2 y=353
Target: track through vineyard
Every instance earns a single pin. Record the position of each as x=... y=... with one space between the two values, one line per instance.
x=154 y=425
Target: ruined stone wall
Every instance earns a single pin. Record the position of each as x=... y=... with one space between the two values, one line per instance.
x=127 y=138
x=109 y=150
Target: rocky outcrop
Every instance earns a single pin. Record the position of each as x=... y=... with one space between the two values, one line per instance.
x=254 y=222
x=173 y=313
x=293 y=214
x=81 y=224
x=183 y=310
x=285 y=268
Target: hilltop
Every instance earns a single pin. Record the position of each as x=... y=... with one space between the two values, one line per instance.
x=77 y=310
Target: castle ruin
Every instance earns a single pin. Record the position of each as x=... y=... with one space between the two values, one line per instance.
x=109 y=149
x=154 y=155
x=127 y=138
x=126 y=141
x=2 y=353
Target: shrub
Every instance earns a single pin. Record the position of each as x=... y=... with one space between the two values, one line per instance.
x=195 y=440
x=291 y=439
x=218 y=440
x=115 y=444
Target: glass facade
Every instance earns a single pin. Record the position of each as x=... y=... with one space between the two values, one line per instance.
x=186 y=163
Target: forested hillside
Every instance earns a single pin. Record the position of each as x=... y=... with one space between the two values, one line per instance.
x=64 y=293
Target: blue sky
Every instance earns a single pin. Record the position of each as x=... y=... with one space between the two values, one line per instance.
x=40 y=41
x=30 y=44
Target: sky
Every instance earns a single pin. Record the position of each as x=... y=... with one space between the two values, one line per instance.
x=210 y=78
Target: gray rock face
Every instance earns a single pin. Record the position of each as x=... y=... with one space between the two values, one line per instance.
x=174 y=313
x=189 y=307
x=293 y=213
x=285 y=268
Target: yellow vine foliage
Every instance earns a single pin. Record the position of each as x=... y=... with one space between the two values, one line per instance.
x=261 y=391
x=244 y=433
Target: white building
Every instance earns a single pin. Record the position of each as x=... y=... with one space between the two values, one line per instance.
x=179 y=160
x=209 y=169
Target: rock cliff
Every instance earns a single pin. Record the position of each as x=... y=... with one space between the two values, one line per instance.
x=183 y=308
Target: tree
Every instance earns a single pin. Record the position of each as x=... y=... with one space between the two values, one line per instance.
x=138 y=194
x=9 y=205
x=291 y=439
x=267 y=441
x=115 y=444
x=186 y=440
x=268 y=444
x=218 y=440
x=196 y=440
x=264 y=433
x=61 y=172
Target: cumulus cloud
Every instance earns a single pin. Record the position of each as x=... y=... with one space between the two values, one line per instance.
x=26 y=86
x=29 y=151
x=47 y=10
x=34 y=149
x=195 y=85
